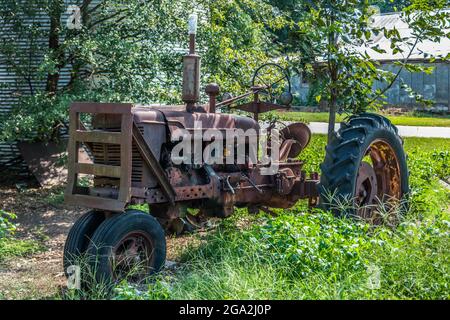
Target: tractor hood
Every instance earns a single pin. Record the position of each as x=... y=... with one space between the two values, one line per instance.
x=176 y=117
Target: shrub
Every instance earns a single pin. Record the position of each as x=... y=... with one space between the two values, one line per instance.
x=6 y=225
x=303 y=254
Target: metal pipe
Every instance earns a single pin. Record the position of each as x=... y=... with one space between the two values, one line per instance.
x=191 y=69
x=227 y=180
x=242 y=96
x=192 y=43
x=212 y=90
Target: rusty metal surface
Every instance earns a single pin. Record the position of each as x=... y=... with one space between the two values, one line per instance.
x=299 y=136
x=366 y=184
x=212 y=90
x=131 y=148
x=46 y=161
x=153 y=164
x=224 y=189
x=149 y=115
x=386 y=166
x=132 y=257
x=131 y=165
x=378 y=179
x=94 y=202
x=191 y=79
x=182 y=193
x=185 y=120
x=77 y=134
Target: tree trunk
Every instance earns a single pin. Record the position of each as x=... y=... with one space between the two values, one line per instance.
x=332 y=117
x=334 y=74
x=77 y=63
x=55 y=11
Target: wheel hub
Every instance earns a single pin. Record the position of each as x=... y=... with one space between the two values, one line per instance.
x=366 y=185
x=378 y=181
x=132 y=257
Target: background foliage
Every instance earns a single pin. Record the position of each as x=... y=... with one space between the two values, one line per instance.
x=125 y=52
x=301 y=254
x=130 y=51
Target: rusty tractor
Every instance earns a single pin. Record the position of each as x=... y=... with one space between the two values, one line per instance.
x=131 y=162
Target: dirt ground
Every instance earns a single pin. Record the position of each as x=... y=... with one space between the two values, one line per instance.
x=42 y=216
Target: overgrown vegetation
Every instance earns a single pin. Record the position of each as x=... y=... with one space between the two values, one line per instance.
x=311 y=256
x=130 y=51
x=303 y=254
x=121 y=51
x=6 y=225
x=10 y=246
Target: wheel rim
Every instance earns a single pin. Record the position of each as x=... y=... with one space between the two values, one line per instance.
x=378 y=180
x=133 y=257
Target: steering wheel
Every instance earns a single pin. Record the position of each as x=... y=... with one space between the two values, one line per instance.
x=274 y=82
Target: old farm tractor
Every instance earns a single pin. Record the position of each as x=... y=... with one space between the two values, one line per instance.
x=131 y=162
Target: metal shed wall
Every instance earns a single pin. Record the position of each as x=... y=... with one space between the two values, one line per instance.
x=12 y=85
x=434 y=86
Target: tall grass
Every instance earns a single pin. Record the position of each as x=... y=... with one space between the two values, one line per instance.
x=303 y=254
x=311 y=256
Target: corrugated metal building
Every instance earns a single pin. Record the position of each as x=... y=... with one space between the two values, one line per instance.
x=28 y=56
x=435 y=86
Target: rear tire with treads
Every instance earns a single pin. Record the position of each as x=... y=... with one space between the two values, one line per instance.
x=364 y=134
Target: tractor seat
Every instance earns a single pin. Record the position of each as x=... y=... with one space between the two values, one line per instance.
x=286 y=147
x=296 y=137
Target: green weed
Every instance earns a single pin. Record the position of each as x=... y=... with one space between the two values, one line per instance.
x=12 y=247
x=303 y=254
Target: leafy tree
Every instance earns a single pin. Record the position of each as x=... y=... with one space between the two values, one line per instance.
x=339 y=29
x=390 y=5
x=127 y=52
x=130 y=51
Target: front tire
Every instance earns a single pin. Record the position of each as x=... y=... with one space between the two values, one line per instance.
x=79 y=237
x=365 y=166
x=130 y=246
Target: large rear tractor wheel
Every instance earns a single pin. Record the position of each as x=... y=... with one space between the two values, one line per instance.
x=79 y=237
x=365 y=172
x=129 y=246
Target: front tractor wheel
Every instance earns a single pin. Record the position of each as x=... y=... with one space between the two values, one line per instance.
x=365 y=172
x=79 y=237
x=129 y=246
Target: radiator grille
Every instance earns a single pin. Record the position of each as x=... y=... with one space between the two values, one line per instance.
x=109 y=154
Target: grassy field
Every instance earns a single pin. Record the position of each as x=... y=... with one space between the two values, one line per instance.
x=303 y=254
x=404 y=120
x=10 y=246
x=299 y=254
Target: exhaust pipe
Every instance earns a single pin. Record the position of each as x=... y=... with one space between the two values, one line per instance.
x=191 y=69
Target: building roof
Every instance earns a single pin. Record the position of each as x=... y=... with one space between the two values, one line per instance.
x=423 y=50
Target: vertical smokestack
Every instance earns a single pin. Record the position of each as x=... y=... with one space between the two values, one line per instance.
x=192 y=25
x=191 y=69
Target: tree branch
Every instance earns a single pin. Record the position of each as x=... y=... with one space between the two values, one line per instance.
x=108 y=18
